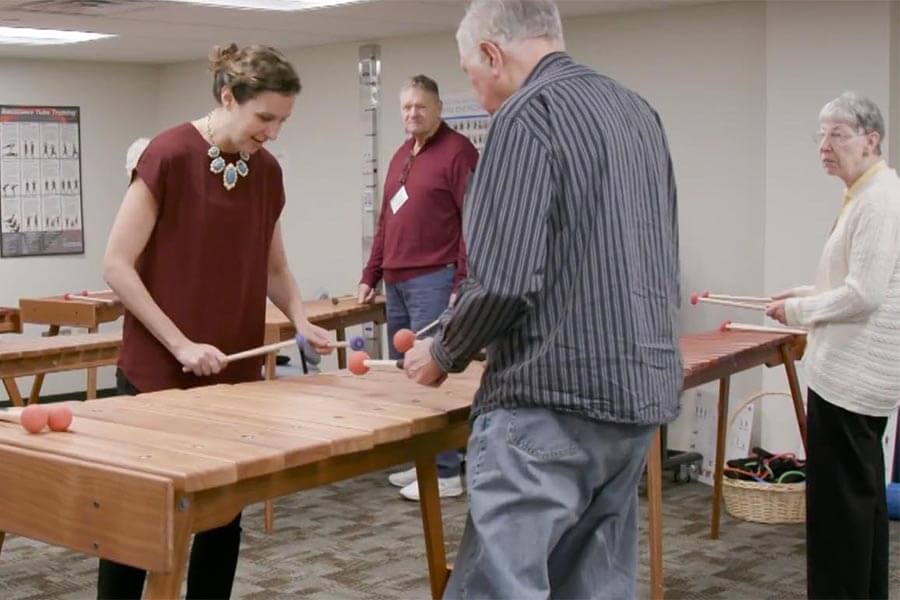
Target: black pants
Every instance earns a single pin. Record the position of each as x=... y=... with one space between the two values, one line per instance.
x=846 y=507
x=213 y=561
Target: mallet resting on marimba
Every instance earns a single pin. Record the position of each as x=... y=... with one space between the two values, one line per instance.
x=729 y=326
x=360 y=363
x=34 y=418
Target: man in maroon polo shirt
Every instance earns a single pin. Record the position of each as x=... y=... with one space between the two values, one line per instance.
x=418 y=247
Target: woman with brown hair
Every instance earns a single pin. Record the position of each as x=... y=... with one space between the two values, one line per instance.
x=194 y=252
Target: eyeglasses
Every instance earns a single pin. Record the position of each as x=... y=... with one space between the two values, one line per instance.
x=835 y=138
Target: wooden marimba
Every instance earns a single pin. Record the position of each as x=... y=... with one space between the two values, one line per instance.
x=10 y=320
x=58 y=311
x=707 y=357
x=136 y=476
x=22 y=357
x=328 y=314
x=271 y=415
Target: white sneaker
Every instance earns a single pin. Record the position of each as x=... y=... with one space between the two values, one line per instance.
x=448 y=487
x=402 y=479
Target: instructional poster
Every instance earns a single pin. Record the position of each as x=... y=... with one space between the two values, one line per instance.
x=40 y=181
x=465 y=115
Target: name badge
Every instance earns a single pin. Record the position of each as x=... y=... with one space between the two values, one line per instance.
x=399 y=199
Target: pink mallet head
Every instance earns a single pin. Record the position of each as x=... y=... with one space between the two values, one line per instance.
x=60 y=418
x=724 y=326
x=34 y=418
x=404 y=340
x=705 y=294
x=356 y=363
x=67 y=296
x=695 y=298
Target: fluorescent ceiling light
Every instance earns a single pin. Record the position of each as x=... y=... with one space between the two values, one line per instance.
x=279 y=5
x=26 y=36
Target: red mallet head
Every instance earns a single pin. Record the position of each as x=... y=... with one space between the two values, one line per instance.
x=60 y=418
x=404 y=340
x=357 y=364
x=724 y=326
x=34 y=418
x=705 y=294
x=695 y=298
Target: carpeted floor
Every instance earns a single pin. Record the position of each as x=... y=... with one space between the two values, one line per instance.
x=358 y=539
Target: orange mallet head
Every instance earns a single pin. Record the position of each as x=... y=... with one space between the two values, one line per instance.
x=34 y=418
x=404 y=340
x=357 y=363
x=60 y=418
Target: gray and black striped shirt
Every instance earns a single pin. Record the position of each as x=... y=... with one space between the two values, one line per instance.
x=572 y=232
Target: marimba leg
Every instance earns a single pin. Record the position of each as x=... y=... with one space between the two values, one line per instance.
x=269 y=516
x=35 y=394
x=2 y=538
x=12 y=390
x=430 y=503
x=654 y=515
x=796 y=394
x=271 y=362
x=721 y=430
x=91 y=388
x=168 y=585
x=341 y=336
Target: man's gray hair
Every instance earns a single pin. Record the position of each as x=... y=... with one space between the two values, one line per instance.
x=858 y=111
x=133 y=154
x=503 y=21
x=422 y=82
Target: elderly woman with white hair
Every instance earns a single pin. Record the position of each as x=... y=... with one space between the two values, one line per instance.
x=853 y=358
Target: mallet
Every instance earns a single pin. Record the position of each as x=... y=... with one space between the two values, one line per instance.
x=360 y=363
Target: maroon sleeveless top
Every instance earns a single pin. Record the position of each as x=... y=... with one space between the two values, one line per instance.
x=206 y=262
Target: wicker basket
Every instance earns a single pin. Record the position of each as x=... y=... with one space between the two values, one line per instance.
x=764 y=502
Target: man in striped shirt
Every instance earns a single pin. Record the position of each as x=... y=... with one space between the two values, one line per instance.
x=572 y=234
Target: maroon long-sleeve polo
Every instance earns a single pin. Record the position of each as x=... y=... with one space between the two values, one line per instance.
x=425 y=234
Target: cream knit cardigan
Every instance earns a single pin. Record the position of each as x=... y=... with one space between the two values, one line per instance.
x=853 y=310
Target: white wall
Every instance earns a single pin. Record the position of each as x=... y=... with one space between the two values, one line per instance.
x=115 y=101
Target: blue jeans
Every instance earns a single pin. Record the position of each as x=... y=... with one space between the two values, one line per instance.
x=553 y=507
x=413 y=304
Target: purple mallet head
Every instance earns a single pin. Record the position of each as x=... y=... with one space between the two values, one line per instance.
x=357 y=343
